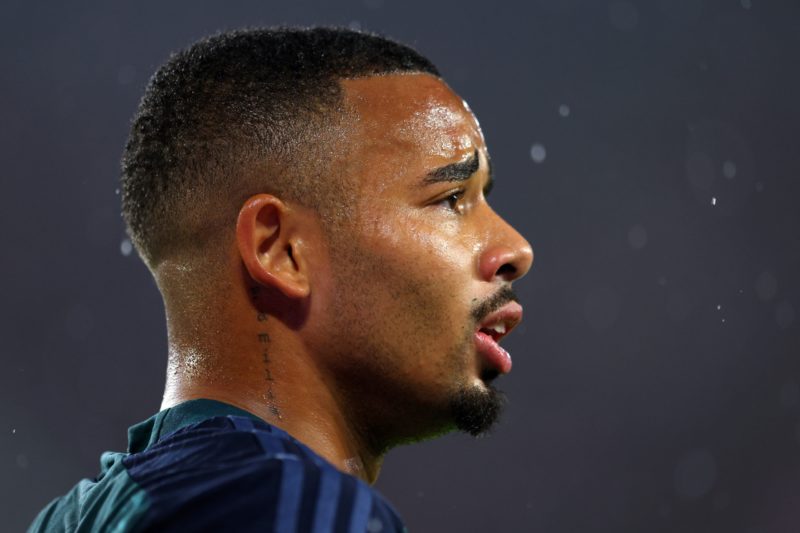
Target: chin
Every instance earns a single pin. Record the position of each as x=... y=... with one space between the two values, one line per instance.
x=477 y=409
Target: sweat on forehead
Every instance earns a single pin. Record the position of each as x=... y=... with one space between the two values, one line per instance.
x=413 y=109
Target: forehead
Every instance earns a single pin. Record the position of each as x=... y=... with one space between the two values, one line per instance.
x=410 y=123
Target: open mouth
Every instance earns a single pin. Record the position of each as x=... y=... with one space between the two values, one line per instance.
x=493 y=328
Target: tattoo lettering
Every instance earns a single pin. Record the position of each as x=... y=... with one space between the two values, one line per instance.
x=263 y=341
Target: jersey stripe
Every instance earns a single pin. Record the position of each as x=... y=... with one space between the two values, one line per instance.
x=310 y=497
x=326 y=505
x=289 y=496
x=361 y=509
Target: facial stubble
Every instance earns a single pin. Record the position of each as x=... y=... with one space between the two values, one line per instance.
x=470 y=405
x=476 y=408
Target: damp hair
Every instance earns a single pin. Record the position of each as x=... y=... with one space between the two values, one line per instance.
x=239 y=113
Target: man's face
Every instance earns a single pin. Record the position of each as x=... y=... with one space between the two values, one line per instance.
x=421 y=261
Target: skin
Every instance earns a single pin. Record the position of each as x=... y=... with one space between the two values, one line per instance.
x=360 y=340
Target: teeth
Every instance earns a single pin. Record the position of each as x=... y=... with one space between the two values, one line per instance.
x=500 y=327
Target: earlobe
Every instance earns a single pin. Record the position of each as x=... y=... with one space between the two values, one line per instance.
x=270 y=251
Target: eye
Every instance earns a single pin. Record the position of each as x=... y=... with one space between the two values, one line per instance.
x=452 y=201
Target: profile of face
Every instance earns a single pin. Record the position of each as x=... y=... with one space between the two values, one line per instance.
x=420 y=263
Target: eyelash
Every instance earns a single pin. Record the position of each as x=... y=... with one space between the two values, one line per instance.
x=452 y=199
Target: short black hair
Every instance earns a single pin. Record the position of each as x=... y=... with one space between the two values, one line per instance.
x=235 y=102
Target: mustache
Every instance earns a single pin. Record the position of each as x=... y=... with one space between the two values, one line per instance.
x=494 y=302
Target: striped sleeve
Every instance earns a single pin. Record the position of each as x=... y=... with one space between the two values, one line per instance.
x=252 y=481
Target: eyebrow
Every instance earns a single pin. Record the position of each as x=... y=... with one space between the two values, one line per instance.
x=460 y=171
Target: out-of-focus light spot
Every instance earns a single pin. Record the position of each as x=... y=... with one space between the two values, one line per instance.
x=623 y=15
x=695 y=474
x=125 y=247
x=538 y=153
x=126 y=74
x=723 y=320
x=374 y=525
x=784 y=315
x=713 y=200
x=601 y=308
x=563 y=110
x=759 y=186
x=22 y=461
x=710 y=150
x=13 y=431
x=637 y=237
x=116 y=191
x=729 y=169
x=790 y=395
x=747 y=4
x=719 y=307
x=766 y=286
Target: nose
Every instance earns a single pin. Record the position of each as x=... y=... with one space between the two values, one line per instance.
x=507 y=257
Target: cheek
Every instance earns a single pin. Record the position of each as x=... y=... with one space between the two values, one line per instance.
x=421 y=274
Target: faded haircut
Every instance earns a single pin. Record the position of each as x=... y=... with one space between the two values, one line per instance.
x=239 y=113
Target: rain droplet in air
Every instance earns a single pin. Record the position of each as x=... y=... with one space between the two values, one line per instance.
x=563 y=110
x=126 y=247
x=713 y=200
x=538 y=153
x=729 y=169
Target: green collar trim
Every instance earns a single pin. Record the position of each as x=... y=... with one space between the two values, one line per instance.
x=144 y=434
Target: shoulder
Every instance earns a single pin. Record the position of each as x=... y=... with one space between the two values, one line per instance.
x=236 y=473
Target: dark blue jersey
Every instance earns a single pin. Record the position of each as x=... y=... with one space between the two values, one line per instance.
x=207 y=466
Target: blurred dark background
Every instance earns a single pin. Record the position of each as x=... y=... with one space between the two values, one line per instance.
x=647 y=149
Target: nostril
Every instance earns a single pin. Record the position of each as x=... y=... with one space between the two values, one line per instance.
x=506 y=269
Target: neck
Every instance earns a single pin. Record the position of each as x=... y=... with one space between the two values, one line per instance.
x=258 y=361
x=277 y=384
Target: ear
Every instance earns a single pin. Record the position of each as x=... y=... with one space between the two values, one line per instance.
x=268 y=244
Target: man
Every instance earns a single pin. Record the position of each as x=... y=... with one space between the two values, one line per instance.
x=312 y=205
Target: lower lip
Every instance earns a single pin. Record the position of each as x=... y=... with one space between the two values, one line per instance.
x=494 y=354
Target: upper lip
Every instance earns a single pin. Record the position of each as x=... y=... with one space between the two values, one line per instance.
x=510 y=315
